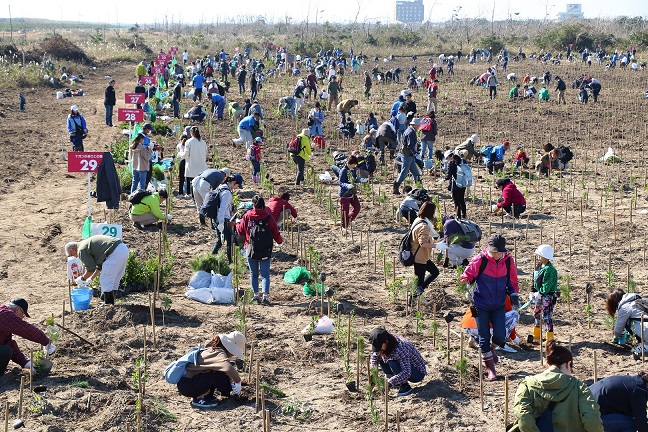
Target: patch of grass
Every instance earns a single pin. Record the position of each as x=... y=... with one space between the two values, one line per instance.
x=208 y=262
x=79 y=384
x=274 y=390
x=159 y=410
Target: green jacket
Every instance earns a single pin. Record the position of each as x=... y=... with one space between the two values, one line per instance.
x=546 y=279
x=149 y=204
x=94 y=250
x=575 y=409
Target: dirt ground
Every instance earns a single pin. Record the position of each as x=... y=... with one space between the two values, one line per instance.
x=588 y=212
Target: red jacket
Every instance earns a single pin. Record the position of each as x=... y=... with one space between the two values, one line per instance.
x=276 y=206
x=511 y=195
x=10 y=325
x=247 y=222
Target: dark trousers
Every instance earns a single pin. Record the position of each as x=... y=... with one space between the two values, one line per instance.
x=393 y=367
x=227 y=233
x=459 y=199
x=486 y=318
x=181 y=176
x=301 y=165
x=408 y=214
x=514 y=210
x=188 y=185
x=205 y=382
x=254 y=92
x=176 y=108
x=5 y=355
x=109 y=114
x=492 y=91
x=421 y=269
x=384 y=142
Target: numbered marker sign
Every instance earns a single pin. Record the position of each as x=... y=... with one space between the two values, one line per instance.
x=135 y=98
x=84 y=161
x=157 y=70
x=173 y=51
x=130 y=115
x=164 y=57
x=111 y=230
x=148 y=80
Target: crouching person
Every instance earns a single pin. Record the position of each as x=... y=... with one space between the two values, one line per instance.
x=399 y=360
x=210 y=369
x=147 y=211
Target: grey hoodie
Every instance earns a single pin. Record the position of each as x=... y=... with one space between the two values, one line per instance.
x=627 y=311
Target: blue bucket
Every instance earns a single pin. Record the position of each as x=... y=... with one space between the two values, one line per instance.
x=81 y=298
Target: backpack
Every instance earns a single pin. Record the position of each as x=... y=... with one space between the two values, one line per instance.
x=405 y=255
x=419 y=195
x=370 y=161
x=211 y=204
x=464 y=176
x=176 y=369
x=261 y=241
x=642 y=304
x=486 y=151
x=426 y=124
x=136 y=197
x=294 y=146
x=319 y=141
x=470 y=229
x=564 y=154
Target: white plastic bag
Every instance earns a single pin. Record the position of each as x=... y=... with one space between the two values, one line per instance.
x=325 y=177
x=324 y=325
x=201 y=279
x=223 y=295
x=220 y=281
x=203 y=295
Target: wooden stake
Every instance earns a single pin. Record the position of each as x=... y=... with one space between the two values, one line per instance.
x=349 y=335
x=62 y=315
x=250 y=365
x=145 y=360
x=643 y=351
x=263 y=403
x=70 y=295
x=595 y=368
x=256 y=403
x=397 y=421
x=20 y=398
x=6 y=428
x=481 y=385
x=358 y=366
x=152 y=308
x=31 y=371
x=267 y=420
x=506 y=400
x=541 y=347
x=386 y=404
x=448 y=339
x=368 y=370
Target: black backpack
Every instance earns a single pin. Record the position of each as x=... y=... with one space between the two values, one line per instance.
x=370 y=160
x=470 y=229
x=564 y=154
x=261 y=241
x=405 y=255
x=211 y=204
x=642 y=303
x=136 y=197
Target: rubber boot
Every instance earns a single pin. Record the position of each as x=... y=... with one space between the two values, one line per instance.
x=396 y=186
x=109 y=298
x=550 y=335
x=202 y=219
x=536 y=333
x=489 y=363
x=494 y=353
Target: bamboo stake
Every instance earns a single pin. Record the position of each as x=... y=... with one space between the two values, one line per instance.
x=643 y=351
x=6 y=428
x=358 y=366
x=256 y=403
x=386 y=404
x=63 y=314
x=152 y=308
x=250 y=365
x=263 y=403
x=481 y=386
x=506 y=400
x=145 y=360
x=595 y=368
x=70 y=295
x=20 y=398
x=349 y=335
x=541 y=347
x=31 y=371
x=368 y=370
x=397 y=421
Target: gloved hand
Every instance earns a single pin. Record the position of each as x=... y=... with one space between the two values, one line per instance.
x=494 y=208
x=27 y=365
x=294 y=220
x=169 y=217
x=49 y=348
x=80 y=282
x=279 y=244
x=236 y=388
x=515 y=301
x=221 y=227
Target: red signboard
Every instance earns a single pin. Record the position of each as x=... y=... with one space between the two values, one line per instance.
x=164 y=57
x=130 y=115
x=148 y=80
x=135 y=98
x=173 y=51
x=157 y=70
x=159 y=63
x=84 y=161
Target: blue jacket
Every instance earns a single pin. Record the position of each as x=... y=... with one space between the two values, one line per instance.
x=247 y=123
x=625 y=395
x=72 y=121
x=410 y=140
x=198 y=81
x=394 y=108
x=218 y=99
x=496 y=154
x=346 y=190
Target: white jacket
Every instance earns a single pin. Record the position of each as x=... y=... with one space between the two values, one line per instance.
x=196 y=155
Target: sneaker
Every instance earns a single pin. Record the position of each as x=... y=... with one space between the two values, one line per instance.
x=204 y=402
x=256 y=299
x=344 y=231
x=138 y=225
x=266 y=301
x=506 y=348
x=472 y=342
x=516 y=341
x=404 y=390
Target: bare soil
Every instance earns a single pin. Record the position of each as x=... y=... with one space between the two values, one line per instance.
x=588 y=213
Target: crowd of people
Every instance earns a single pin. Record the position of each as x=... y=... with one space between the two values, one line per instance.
x=409 y=138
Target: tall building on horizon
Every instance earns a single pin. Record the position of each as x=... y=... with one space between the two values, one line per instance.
x=572 y=11
x=410 y=11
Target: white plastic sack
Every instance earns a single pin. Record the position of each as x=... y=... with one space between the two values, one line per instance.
x=203 y=295
x=220 y=281
x=201 y=279
x=441 y=246
x=223 y=295
x=323 y=325
x=325 y=177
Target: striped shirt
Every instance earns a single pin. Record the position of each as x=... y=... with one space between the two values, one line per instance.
x=407 y=356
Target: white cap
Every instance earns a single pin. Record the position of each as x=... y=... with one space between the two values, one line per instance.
x=447 y=153
x=475 y=138
x=545 y=251
x=74 y=108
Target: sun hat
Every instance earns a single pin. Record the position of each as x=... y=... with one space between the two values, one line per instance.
x=545 y=251
x=447 y=153
x=22 y=304
x=258 y=139
x=74 y=108
x=233 y=342
x=377 y=337
x=416 y=121
x=496 y=243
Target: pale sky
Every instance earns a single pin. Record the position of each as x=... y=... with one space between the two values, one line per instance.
x=129 y=11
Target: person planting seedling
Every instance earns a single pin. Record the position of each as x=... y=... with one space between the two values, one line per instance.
x=398 y=358
x=545 y=278
x=629 y=308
